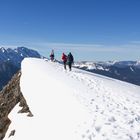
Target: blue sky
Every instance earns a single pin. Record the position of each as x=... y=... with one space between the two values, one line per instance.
x=90 y=29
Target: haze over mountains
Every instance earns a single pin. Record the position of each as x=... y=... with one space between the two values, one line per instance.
x=10 y=62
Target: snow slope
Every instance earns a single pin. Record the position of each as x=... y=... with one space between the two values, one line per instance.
x=75 y=105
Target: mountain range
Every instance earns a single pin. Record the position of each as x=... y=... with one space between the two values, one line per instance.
x=128 y=71
x=10 y=62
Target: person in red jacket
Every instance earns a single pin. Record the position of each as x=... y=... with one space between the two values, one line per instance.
x=64 y=59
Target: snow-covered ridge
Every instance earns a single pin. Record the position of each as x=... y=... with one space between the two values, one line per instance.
x=76 y=105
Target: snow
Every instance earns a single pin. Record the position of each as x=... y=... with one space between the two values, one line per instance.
x=131 y=69
x=2 y=49
x=137 y=64
x=74 y=105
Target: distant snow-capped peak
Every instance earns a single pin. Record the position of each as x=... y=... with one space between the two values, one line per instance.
x=95 y=65
x=16 y=55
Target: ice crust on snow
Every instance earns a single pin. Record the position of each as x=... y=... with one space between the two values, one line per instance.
x=76 y=105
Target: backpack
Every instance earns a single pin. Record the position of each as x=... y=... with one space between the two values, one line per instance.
x=70 y=58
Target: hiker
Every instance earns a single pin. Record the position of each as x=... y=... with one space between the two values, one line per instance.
x=70 y=60
x=52 y=55
x=64 y=59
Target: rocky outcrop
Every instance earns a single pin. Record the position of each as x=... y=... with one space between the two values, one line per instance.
x=9 y=97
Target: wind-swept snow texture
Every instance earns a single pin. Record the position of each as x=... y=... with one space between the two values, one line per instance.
x=75 y=105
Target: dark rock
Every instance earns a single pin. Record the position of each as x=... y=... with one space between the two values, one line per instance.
x=9 y=97
x=12 y=133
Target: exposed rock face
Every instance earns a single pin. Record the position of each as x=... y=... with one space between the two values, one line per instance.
x=9 y=97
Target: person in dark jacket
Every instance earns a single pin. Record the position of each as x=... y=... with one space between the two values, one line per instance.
x=64 y=59
x=52 y=55
x=70 y=60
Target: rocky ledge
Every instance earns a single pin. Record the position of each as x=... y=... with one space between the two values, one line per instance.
x=9 y=97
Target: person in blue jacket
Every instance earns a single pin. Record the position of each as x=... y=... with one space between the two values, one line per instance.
x=70 y=60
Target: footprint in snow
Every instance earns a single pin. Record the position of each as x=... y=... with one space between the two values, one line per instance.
x=97 y=108
x=112 y=119
x=92 y=100
x=137 y=118
x=98 y=128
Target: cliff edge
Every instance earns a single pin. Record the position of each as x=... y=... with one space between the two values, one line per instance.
x=9 y=97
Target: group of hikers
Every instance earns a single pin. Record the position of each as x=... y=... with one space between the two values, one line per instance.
x=67 y=59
